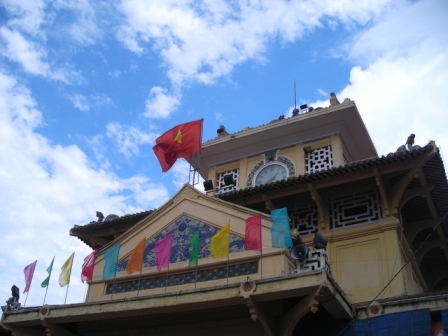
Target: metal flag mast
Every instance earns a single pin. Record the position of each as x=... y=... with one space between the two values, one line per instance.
x=195 y=159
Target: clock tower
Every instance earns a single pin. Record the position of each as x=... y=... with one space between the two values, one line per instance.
x=308 y=142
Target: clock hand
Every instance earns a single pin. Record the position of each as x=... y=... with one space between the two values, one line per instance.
x=272 y=178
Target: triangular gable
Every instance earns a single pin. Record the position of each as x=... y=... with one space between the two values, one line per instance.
x=182 y=229
x=186 y=211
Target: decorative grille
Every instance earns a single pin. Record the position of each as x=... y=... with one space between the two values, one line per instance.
x=315 y=260
x=355 y=209
x=304 y=218
x=222 y=187
x=319 y=159
x=184 y=278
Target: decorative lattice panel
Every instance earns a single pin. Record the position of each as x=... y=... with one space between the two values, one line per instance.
x=315 y=260
x=304 y=218
x=355 y=209
x=319 y=159
x=184 y=278
x=182 y=230
x=222 y=187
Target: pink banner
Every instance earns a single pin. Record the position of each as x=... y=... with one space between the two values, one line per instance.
x=163 y=252
x=29 y=272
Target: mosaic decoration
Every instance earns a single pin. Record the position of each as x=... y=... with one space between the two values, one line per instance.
x=304 y=218
x=182 y=230
x=315 y=260
x=355 y=209
x=277 y=158
x=222 y=187
x=216 y=273
x=319 y=159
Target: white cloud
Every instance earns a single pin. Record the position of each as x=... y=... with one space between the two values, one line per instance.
x=205 y=40
x=29 y=55
x=160 y=104
x=84 y=103
x=80 y=102
x=428 y=24
x=401 y=90
x=49 y=188
x=27 y=15
x=84 y=28
x=128 y=138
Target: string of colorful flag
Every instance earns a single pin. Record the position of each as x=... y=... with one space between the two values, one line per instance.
x=219 y=248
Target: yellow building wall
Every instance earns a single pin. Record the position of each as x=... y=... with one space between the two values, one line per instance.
x=365 y=258
x=294 y=153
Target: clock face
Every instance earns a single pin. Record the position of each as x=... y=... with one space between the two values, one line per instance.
x=271 y=173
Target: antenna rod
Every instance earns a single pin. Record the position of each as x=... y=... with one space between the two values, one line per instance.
x=295 y=101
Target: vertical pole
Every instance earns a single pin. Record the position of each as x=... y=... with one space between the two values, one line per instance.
x=228 y=256
x=113 y=286
x=46 y=290
x=26 y=298
x=196 y=276
x=166 y=279
x=66 y=293
x=139 y=279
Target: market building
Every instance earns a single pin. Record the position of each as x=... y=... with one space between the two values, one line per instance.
x=369 y=233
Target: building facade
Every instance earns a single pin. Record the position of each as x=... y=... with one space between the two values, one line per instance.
x=371 y=232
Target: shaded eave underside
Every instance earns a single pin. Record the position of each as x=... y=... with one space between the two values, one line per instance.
x=315 y=283
x=118 y=225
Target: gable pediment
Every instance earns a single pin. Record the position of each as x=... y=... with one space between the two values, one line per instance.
x=183 y=229
x=189 y=210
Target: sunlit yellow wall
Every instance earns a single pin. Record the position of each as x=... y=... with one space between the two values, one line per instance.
x=294 y=153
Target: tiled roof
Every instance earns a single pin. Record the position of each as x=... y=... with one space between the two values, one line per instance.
x=126 y=219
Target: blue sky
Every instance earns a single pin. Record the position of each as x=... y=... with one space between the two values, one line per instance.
x=86 y=87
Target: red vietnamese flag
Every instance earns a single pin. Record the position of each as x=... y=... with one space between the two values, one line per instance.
x=253 y=233
x=179 y=142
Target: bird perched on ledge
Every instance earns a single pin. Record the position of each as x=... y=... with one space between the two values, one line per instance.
x=410 y=141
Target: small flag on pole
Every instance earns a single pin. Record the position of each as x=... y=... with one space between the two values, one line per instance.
x=66 y=271
x=194 y=256
x=252 y=239
x=111 y=260
x=87 y=267
x=281 y=234
x=163 y=252
x=47 y=280
x=29 y=272
x=135 y=261
x=219 y=245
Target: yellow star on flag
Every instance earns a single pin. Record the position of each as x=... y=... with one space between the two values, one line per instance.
x=178 y=137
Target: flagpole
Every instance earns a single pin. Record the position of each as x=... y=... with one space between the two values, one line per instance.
x=196 y=276
x=113 y=286
x=46 y=290
x=85 y=292
x=139 y=278
x=166 y=279
x=228 y=256
x=66 y=293
x=26 y=298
